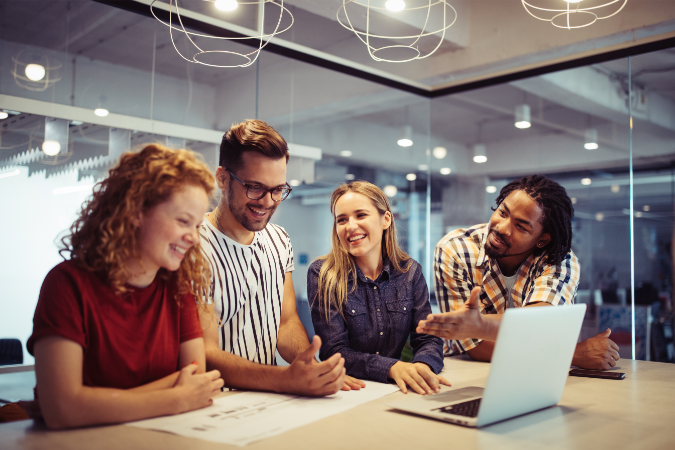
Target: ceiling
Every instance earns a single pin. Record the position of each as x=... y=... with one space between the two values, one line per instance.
x=315 y=106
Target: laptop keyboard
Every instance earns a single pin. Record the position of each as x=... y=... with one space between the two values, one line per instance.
x=467 y=409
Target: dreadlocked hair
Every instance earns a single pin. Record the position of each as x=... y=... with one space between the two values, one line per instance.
x=557 y=216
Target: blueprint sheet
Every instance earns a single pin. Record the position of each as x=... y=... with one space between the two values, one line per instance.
x=247 y=417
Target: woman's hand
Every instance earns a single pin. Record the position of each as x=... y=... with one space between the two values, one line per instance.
x=196 y=390
x=416 y=375
x=352 y=384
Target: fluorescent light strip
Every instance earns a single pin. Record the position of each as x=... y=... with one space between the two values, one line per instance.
x=10 y=174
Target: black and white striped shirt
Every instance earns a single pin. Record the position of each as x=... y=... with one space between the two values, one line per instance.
x=247 y=284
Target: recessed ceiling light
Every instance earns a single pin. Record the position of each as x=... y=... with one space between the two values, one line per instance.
x=3 y=115
x=411 y=177
x=295 y=183
x=446 y=171
x=586 y=181
x=615 y=188
x=599 y=217
x=395 y=5
x=423 y=167
x=51 y=148
x=101 y=112
x=226 y=5
x=645 y=208
x=346 y=153
x=638 y=214
x=35 y=72
x=390 y=190
x=491 y=189
x=440 y=152
x=574 y=200
x=349 y=176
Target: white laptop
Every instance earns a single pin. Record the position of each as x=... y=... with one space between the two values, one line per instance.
x=529 y=369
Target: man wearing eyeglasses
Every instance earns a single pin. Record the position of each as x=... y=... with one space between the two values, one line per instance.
x=251 y=262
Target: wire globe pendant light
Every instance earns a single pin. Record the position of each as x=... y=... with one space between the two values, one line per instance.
x=224 y=5
x=435 y=17
x=573 y=13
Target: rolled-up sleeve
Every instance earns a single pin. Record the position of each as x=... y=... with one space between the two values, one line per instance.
x=556 y=284
x=453 y=285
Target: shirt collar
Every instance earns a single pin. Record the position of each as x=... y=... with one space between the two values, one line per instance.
x=482 y=257
x=384 y=276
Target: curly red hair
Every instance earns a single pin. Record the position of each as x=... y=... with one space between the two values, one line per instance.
x=105 y=234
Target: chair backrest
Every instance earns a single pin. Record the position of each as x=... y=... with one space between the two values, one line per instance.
x=11 y=352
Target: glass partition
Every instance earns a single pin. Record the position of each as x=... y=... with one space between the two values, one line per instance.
x=112 y=80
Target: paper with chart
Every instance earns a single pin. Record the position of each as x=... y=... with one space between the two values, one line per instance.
x=251 y=416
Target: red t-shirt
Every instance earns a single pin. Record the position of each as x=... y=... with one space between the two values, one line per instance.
x=128 y=340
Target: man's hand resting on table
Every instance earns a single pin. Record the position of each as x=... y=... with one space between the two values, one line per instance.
x=307 y=377
x=598 y=352
x=466 y=322
x=416 y=375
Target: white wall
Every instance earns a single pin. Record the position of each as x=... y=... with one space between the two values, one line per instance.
x=33 y=218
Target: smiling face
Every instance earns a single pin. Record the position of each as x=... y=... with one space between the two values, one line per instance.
x=258 y=170
x=516 y=228
x=169 y=229
x=360 y=225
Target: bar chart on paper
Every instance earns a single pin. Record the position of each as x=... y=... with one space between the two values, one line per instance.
x=244 y=418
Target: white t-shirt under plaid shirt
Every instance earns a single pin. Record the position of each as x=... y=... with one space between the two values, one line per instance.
x=460 y=264
x=247 y=285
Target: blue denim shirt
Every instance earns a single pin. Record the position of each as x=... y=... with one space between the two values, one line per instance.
x=378 y=317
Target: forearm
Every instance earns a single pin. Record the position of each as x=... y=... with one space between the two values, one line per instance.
x=482 y=352
x=98 y=406
x=292 y=338
x=358 y=364
x=427 y=349
x=163 y=383
x=240 y=373
x=488 y=330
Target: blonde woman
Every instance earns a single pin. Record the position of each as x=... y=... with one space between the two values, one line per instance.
x=368 y=295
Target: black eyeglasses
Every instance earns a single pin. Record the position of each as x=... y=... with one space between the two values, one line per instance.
x=257 y=192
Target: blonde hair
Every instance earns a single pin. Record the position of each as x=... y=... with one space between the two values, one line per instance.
x=339 y=264
x=105 y=234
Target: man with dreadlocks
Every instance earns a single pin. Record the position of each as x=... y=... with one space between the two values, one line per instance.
x=521 y=258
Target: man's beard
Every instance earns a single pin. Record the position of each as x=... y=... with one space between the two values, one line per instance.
x=239 y=213
x=493 y=253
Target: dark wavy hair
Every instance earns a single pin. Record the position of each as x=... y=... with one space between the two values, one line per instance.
x=251 y=136
x=557 y=209
x=105 y=234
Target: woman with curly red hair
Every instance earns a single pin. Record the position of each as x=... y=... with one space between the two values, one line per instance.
x=116 y=333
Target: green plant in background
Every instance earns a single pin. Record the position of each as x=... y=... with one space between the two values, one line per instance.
x=407 y=352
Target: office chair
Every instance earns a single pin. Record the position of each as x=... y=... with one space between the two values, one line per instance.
x=11 y=352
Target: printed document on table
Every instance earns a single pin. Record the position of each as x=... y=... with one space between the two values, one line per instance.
x=244 y=418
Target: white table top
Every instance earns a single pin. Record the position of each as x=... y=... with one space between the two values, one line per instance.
x=638 y=412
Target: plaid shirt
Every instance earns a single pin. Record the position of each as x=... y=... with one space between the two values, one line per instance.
x=460 y=264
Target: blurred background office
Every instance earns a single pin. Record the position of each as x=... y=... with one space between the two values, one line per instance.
x=504 y=95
